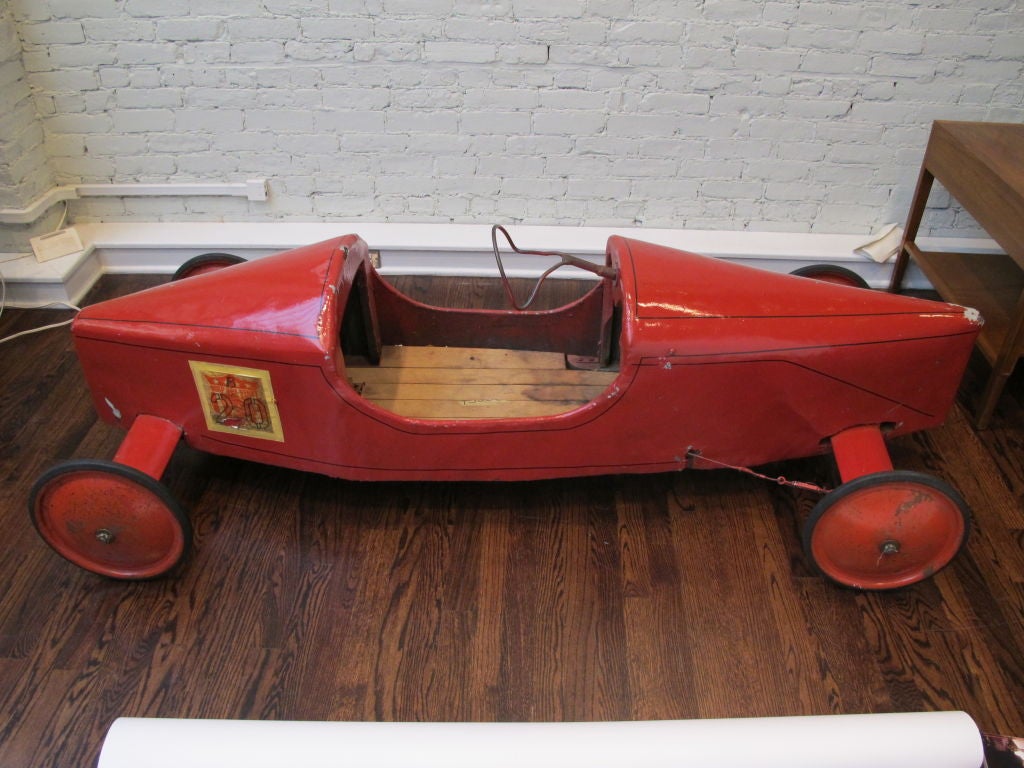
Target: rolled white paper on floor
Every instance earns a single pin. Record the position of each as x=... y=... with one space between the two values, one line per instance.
x=909 y=740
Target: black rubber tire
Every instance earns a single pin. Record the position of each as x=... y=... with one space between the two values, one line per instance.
x=206 y=262
x=170 y=511
x=832 y=273
x=875 y=481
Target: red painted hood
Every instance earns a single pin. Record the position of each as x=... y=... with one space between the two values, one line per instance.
x=285 y=305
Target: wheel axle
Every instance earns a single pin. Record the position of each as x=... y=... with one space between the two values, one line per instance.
x=890 y=547
x=103 y=536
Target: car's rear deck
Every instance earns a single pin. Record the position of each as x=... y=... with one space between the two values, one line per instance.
x=471 y=383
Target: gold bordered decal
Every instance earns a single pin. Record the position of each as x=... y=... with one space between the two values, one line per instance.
x=236 y=400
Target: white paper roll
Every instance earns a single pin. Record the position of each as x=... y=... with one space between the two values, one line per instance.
x=912 y=740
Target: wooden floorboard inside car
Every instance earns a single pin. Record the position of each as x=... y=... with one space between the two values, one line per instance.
x=470 y=383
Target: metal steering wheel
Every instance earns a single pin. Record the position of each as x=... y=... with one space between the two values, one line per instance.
x=564 y=259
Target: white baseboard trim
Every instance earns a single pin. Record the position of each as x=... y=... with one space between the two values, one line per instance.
x=452 y=249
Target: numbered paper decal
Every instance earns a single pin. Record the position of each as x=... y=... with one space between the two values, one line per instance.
x=238 y=400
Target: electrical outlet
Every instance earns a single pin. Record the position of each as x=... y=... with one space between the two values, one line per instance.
x=375 y=259
x=56 y=244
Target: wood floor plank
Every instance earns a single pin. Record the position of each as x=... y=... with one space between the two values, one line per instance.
x=653 y=602
x=725 y=595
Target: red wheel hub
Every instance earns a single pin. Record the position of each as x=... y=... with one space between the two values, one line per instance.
x=111 y=520
x=887 y=534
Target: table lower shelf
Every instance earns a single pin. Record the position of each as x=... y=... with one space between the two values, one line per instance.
x=991 y=283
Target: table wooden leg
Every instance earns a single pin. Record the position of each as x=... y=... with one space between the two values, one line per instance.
x=920 y=201
x=989 y=399
x=1002 y=367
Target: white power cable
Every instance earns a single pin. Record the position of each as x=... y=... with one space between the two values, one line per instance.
x=3 y=297
x=13 y=336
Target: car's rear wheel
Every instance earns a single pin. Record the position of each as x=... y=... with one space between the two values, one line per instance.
x=204 y=263
x=886 y=530
x=832 y=273
x=110 y=519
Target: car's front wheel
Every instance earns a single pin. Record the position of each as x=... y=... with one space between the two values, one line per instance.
x=886 y=530
x=110 y=519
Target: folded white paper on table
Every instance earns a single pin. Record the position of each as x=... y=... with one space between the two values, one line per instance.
x=907 y=740
x=884 y=245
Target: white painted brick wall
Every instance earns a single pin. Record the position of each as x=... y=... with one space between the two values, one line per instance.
x=781 y=115
x=24 y=166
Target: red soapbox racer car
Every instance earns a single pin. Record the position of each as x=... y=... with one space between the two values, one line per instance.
x=310 y=360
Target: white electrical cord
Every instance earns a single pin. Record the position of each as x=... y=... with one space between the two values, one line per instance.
x=3 y=297
x=63 y=218
x=13 y=336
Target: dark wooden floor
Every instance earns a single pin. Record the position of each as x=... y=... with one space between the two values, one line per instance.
x=672 y=596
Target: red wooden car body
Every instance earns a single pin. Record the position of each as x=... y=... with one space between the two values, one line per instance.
x=698 y=362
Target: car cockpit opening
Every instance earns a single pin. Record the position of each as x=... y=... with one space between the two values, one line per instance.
x=432 y=362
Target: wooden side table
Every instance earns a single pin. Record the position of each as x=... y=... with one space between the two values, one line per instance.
x=982 y=166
